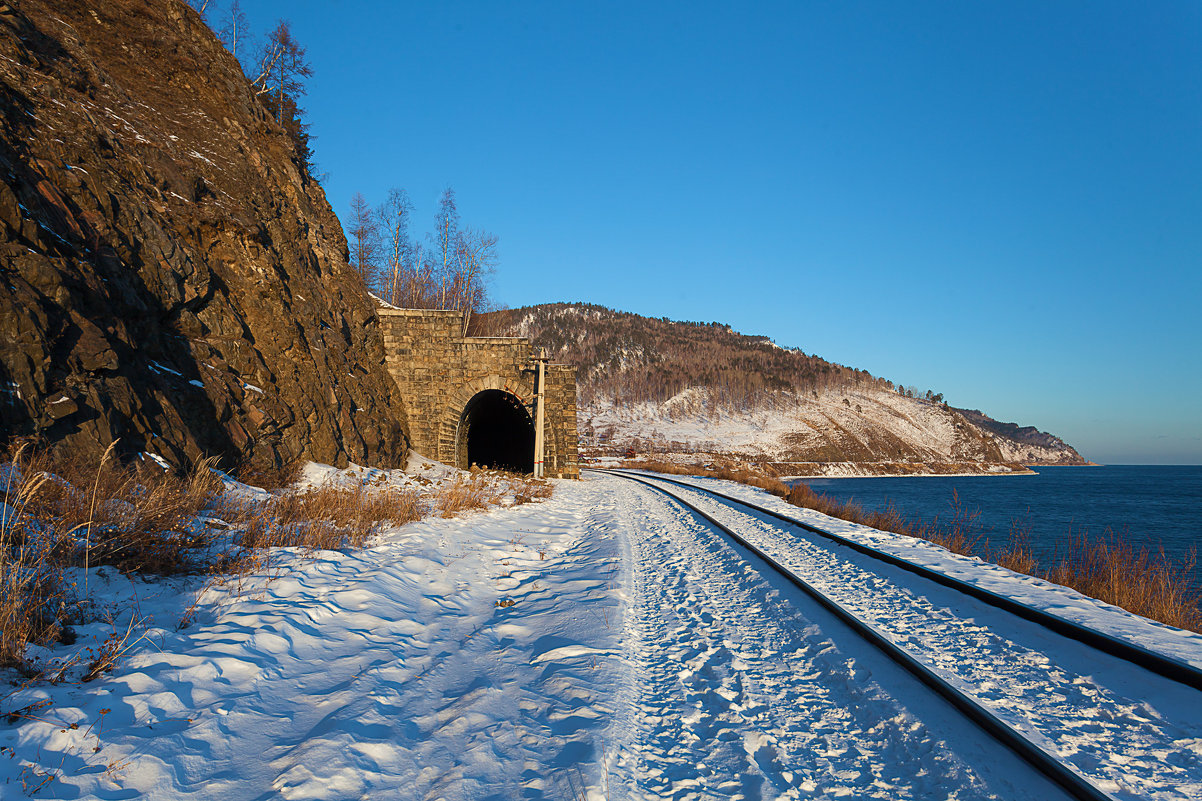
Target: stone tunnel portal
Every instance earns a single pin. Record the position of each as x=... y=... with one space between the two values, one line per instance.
x=496 y=431
x=445 y=378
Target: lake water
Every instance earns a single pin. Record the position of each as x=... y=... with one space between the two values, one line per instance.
x=1155 y=506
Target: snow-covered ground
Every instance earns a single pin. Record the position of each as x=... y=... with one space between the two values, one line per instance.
x=600 y=644
x=1132 y=733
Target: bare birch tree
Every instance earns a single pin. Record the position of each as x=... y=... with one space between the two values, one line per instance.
x=446 y=225
x=476 y=259
x=235 y=30
x=400 y=270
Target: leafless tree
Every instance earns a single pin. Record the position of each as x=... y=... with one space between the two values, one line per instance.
x=476 y=259
x=281 y=67
x=236 y=29
x=419 y=294
x=264 y=66
x=446 y=225
x=365 y=242
x=289 y=69
x=450 y=272
x=400 y=269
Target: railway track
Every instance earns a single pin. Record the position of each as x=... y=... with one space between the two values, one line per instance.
x=1035 y=707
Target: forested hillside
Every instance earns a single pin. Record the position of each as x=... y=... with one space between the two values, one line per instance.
x=634 y=358
x=656 y=385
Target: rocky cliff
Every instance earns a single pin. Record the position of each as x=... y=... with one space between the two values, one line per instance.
x=171 y=275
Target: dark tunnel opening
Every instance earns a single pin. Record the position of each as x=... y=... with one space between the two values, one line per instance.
x=498 y=432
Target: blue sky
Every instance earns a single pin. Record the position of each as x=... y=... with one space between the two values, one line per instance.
x=1000 y=201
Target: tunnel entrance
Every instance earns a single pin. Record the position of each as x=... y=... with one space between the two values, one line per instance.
x=496 y=432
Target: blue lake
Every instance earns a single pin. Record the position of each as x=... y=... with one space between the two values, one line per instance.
x=1153 y=506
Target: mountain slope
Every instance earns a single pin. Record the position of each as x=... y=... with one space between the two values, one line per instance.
x=172 y=276
x=659 y=385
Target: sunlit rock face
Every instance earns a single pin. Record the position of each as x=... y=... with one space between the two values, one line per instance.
x=172 y=276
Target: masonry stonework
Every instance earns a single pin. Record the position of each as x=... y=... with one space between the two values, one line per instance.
x=438 y=371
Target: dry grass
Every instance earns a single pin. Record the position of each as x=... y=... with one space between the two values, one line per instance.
x=272 y=478
x=60 y=514
x=1110 y=569
x=479 y=489
x=28 y=582
x=527 y=489
x=464 y=495
x=325 y=517
x=960 y=535
x=94 y=513
x=1140 y=580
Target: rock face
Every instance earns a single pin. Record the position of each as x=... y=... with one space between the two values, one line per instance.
x=171 y=275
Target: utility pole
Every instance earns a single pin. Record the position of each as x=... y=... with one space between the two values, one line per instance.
x=539 y=401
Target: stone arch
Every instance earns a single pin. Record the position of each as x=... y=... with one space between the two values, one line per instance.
x=496 y=431
x=455 y=423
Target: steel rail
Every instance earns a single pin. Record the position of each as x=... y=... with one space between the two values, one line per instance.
x=1049 y=766
x=1160 y=664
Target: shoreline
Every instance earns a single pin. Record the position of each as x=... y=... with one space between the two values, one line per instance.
x=799 y=471
x=914 y=475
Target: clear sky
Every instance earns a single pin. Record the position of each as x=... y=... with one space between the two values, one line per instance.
x=1001 y=201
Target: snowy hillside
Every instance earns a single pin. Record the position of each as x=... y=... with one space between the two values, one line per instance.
x=873 y=432
x=654 y=385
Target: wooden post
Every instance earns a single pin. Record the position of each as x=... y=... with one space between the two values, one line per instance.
x=539 y=401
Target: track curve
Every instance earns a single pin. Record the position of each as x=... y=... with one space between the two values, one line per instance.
x=1160 y=664
x=1121 y=738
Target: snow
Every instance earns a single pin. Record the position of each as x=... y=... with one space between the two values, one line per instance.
x=449 y=659
x=154 y=457
x=784 y=427
x=383 y=304
x=158 y=368
x=600 y=644
x=1091 y=711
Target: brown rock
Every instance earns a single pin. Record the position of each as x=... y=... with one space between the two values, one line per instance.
x=161 y=251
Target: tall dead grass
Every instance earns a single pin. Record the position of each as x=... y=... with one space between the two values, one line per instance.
x=960 y=534
x=60 y=513
x=479 y=489
x=324 y=517
x=1140 y=580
